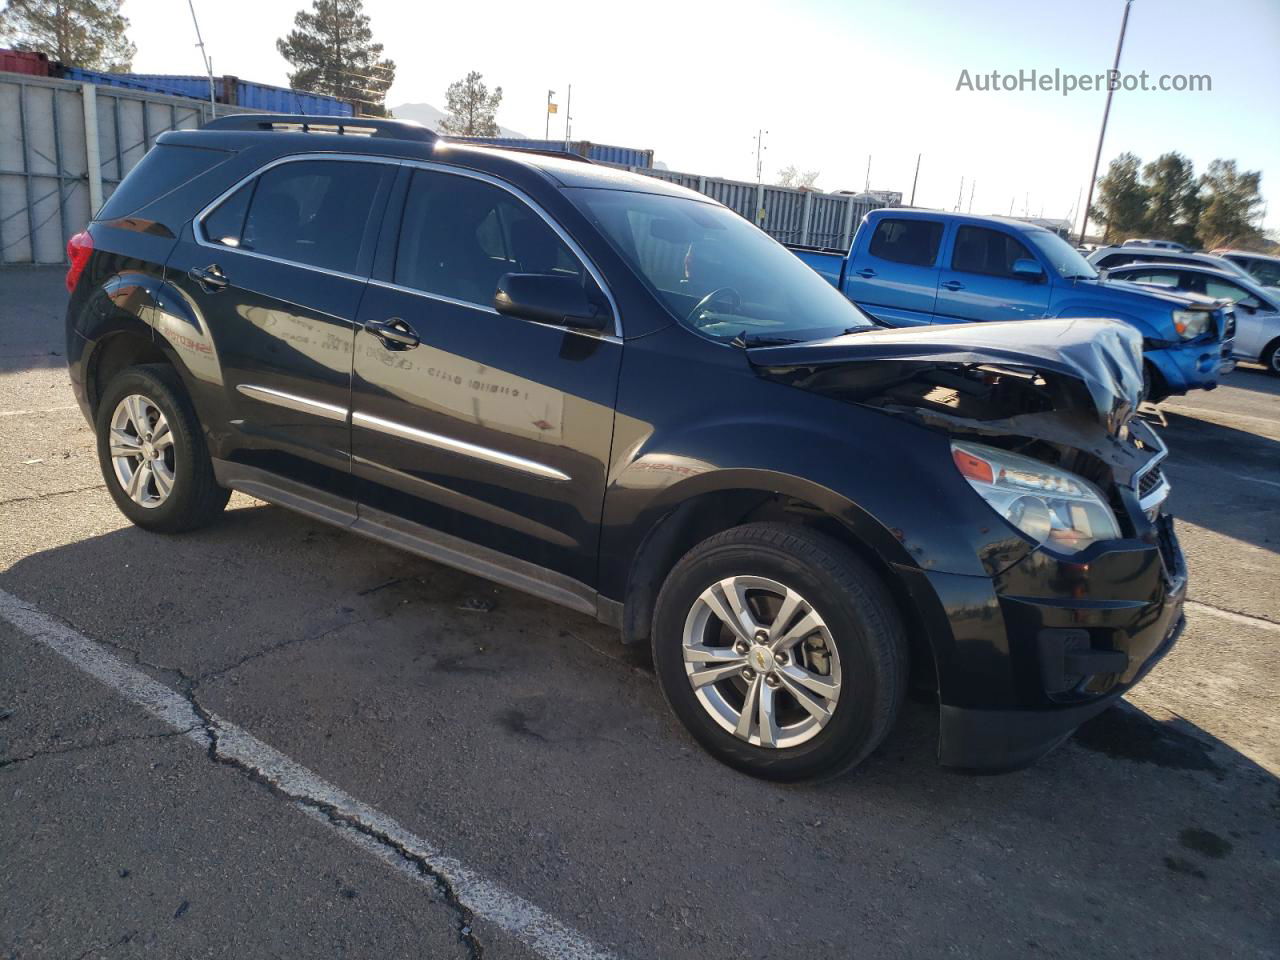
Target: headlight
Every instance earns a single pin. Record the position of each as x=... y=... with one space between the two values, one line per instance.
x=1049 y=505
x=1191 y=323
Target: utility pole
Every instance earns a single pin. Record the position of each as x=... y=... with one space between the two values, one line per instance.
x=973 y=185
x=550 y=94
x=760 y=149
x=208 y=64
x=867 y=187
x=960 y=195
x=913 y=182
x=1106 y=112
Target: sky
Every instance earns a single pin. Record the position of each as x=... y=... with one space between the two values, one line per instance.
x=832 y=81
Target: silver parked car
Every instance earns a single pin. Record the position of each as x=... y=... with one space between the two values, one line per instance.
x=1257 y=307
x=1264 y=267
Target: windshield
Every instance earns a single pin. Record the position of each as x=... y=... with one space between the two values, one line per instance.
x=716 y=272
x=1062 y=256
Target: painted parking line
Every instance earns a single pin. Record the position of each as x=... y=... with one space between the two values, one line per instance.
x=353 y=820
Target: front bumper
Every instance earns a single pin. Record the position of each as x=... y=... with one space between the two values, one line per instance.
x=1193 y=366
x=1051 y=642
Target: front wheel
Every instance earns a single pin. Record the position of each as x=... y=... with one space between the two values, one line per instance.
x=1271 y=358
x=152 y=452
x=780 y=651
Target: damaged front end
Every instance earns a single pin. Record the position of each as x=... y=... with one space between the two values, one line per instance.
x=1040 y=418
x=1062 y=392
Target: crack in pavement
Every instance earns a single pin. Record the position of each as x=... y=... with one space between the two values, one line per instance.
x=50 y=496
x=1262 y=623
x=218 y=672
x=468 y=894
x=96 y=745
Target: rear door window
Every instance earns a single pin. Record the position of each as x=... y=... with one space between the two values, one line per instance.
x=460 y=235
x=907 y=241
x=311 y=212
x=992 y=252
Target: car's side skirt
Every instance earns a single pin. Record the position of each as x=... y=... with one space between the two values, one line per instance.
x=415 y=538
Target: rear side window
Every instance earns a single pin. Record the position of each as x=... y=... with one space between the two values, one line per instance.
x=165 y=168
x=993 y=252
x=313 y=212
x=1116 y=259
x=460 y=235
x=907 y=241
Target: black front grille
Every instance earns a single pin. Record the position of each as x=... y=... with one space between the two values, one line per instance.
x=1148 y=482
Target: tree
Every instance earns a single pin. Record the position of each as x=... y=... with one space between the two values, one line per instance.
x=79 y=33
x=1122 y=200
x=332 y=50
x=471 y=107
x=1230 y=201
x=1173 y=198
x=791 y=177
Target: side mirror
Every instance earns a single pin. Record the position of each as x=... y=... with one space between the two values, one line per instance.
x=547 y=298
x=1025 y=269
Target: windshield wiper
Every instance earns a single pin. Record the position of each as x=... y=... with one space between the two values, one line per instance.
x=744 y=340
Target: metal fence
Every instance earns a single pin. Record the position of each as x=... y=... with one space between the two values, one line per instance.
x=791 y=216
x=64 y=147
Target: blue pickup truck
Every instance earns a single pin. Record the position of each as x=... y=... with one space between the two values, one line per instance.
x=924 y=266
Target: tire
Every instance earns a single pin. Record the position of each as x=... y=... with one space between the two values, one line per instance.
x=857 y=616
x=193 y=498
x=1271 y=358
x=1153 y=386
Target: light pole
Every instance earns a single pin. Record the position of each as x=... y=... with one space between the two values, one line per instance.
x=550 y=94
x=1112 y=80
x=760 y=149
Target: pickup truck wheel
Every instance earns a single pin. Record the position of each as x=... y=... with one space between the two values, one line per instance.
x=780 y=651
x=1271 y=358
x=152 y=452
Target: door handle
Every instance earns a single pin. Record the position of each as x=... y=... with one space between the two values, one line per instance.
x=394 y=333
x=866 y=272
x=952 y=285
x=210 y=279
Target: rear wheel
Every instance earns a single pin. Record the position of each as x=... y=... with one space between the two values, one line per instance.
x=780 y=651
x=152 y=452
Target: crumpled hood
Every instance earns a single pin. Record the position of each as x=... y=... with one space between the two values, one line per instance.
x=1103 y=356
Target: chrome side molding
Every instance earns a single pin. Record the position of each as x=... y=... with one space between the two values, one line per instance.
x=290 y=401
x=440 y=442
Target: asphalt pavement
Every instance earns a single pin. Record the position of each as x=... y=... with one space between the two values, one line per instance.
x=272 y=738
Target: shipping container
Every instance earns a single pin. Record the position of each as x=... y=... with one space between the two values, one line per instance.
x=24 y=61
x=600 y=152
x=229 y=90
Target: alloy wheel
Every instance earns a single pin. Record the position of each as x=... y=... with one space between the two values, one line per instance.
x=142 y=451
x=761 y=661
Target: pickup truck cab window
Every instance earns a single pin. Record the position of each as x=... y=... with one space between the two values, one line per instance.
x=1065 y=259
x=992 y=252
x=460 y=235
x=907 y=241
x=715 y=272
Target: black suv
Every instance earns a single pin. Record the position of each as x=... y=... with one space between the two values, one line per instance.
x=617 y=394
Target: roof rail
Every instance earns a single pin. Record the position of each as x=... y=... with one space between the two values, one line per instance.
x=563 y=154
x=353 y=126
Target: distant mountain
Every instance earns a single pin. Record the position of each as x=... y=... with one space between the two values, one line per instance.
x=430 y=116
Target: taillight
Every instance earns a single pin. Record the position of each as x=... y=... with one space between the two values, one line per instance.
x=79 y=249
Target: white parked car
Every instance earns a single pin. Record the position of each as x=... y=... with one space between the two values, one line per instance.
x=1117 y=255
x=1257 y=307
